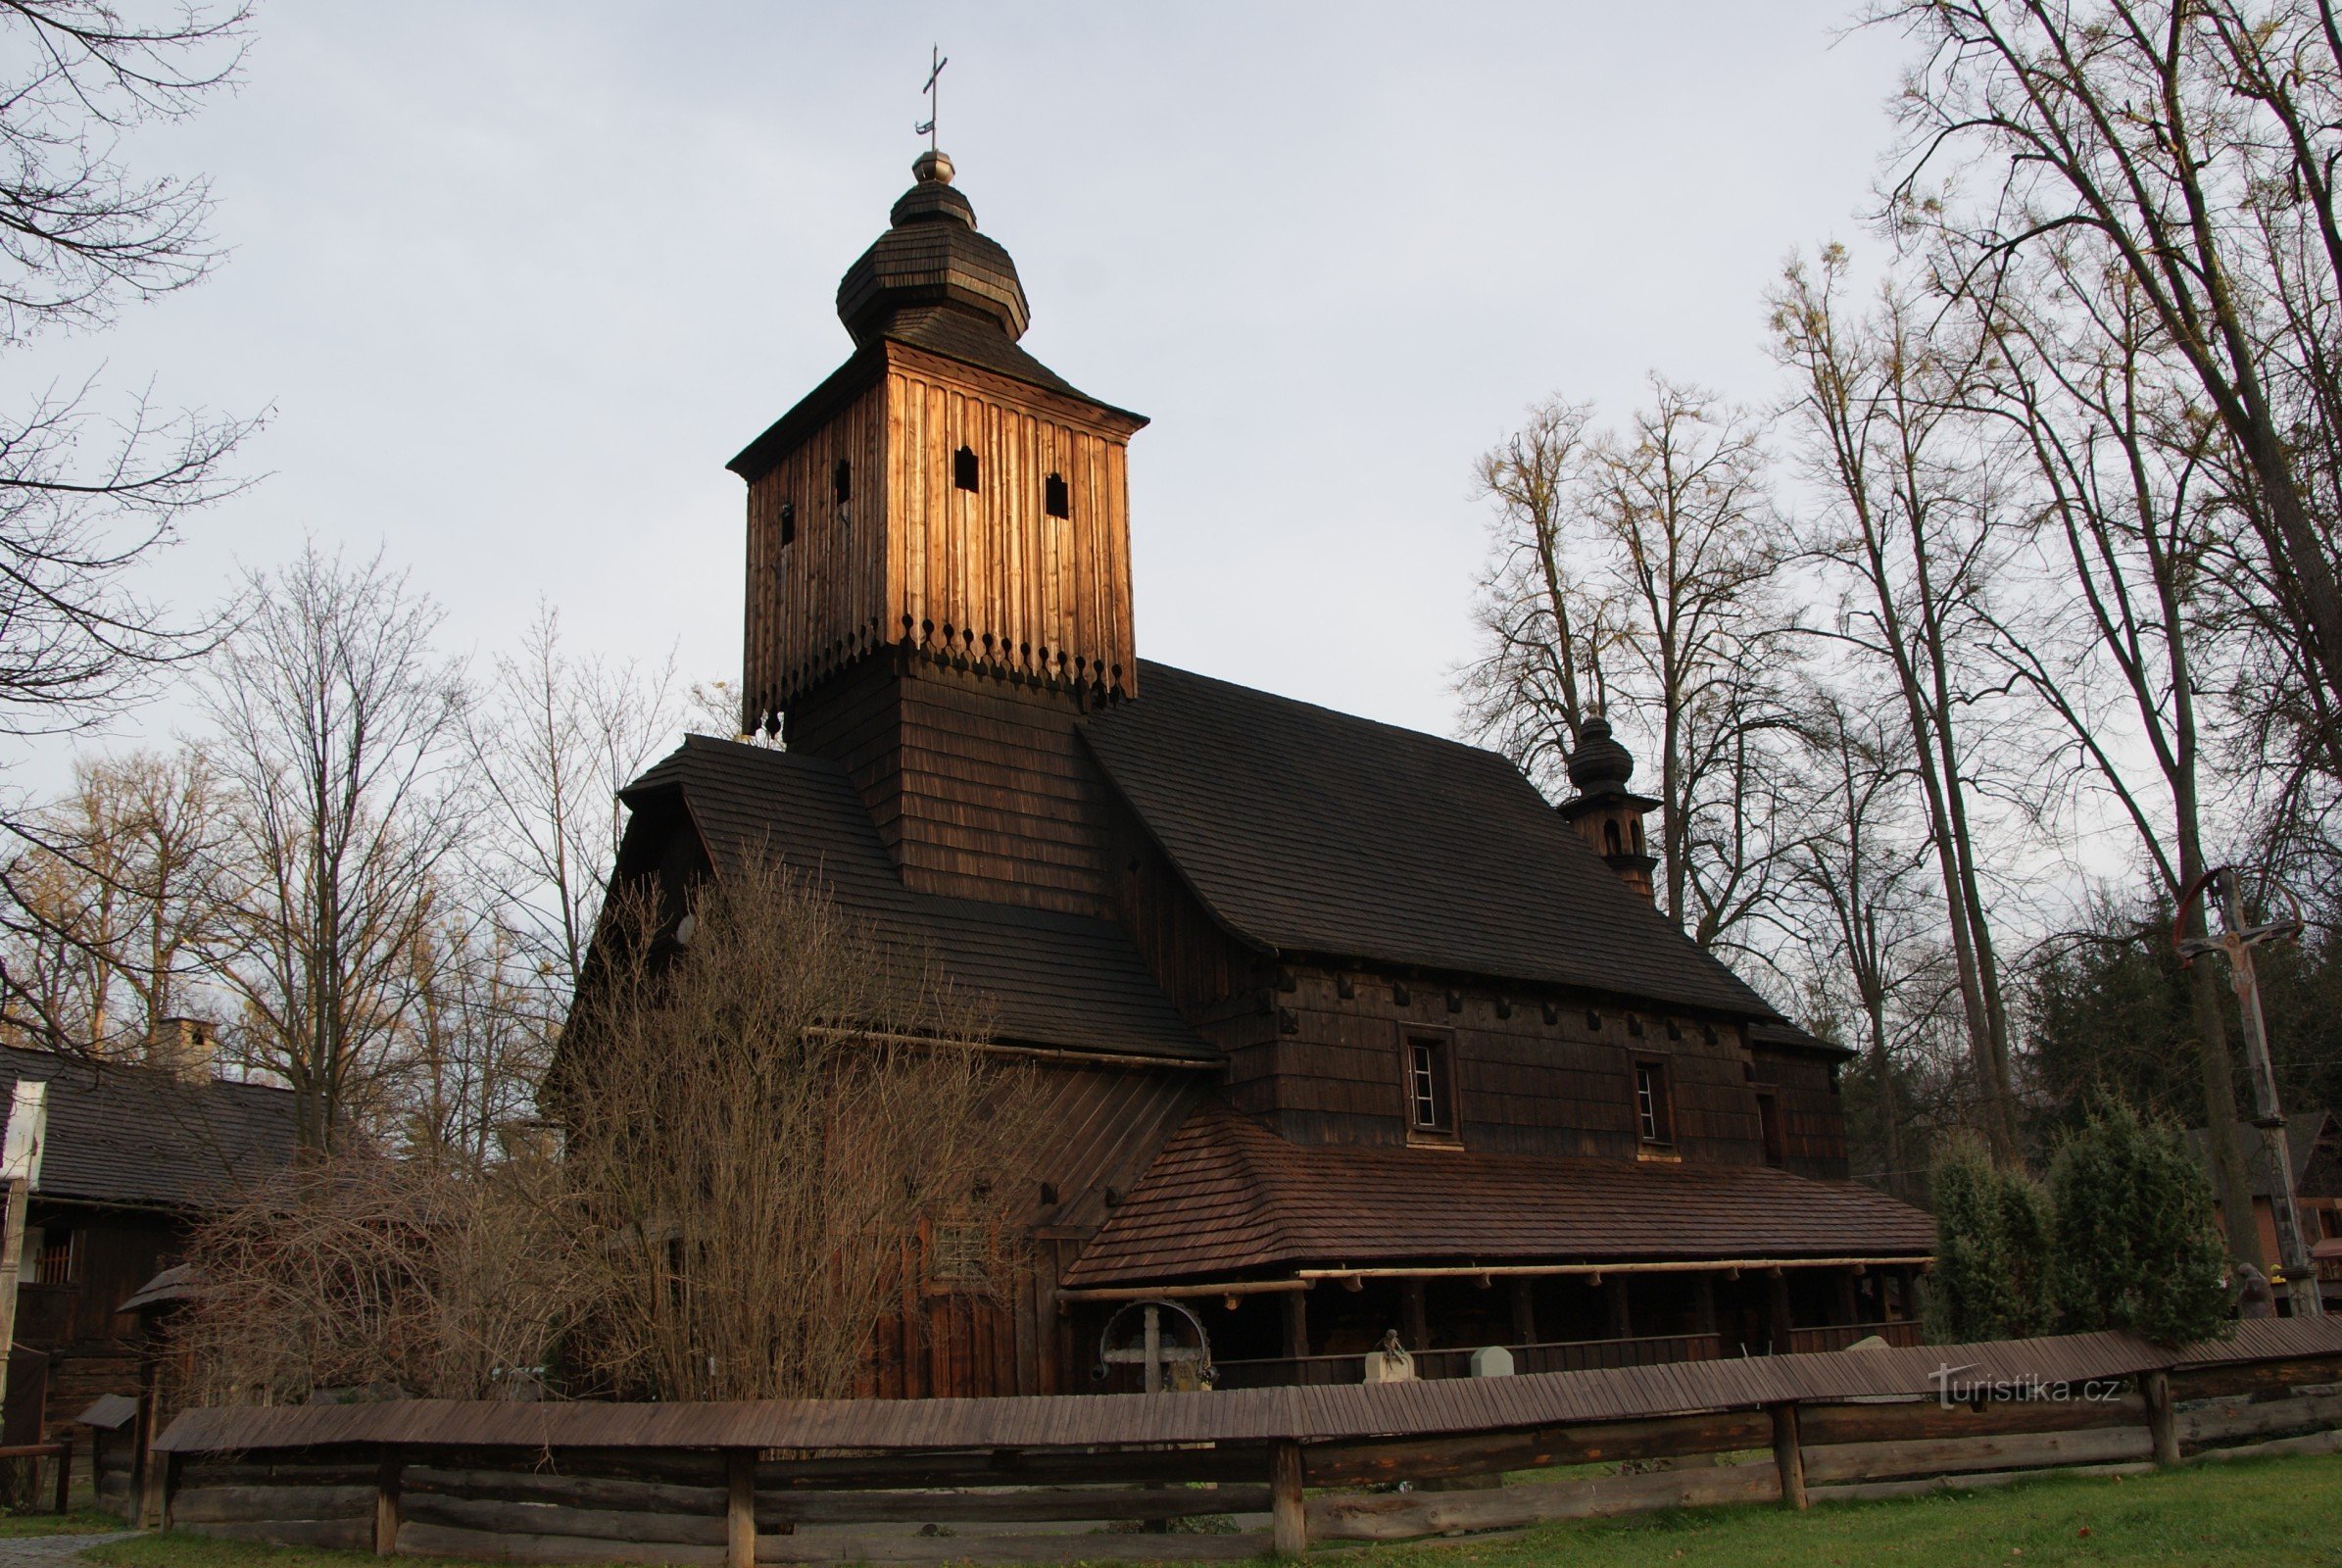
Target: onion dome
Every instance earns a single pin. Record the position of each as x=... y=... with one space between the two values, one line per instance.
x=1599 y=764
x=932 y=256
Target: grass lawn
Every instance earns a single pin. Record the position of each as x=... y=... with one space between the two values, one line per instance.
x=80 y=1522
x=2268 y=1513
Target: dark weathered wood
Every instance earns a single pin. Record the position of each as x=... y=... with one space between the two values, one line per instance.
x=1033 y=1505
x=1288 y=1530
x=1011 y=1549
x=545 y=1519
x=386 y=1503
x=65 y=1475
x=2252 y=1377
x=2156 y=1388
x=217 y=1504
x=344 y=1535
x=1400 y=1517
x=1437 y=1458
x=1240 y=1462
x=572 y=1491
x=2257 y=1418
x=2031 y=1450
x=1926 y=1419
x=1789 y=1454
x=420 y=1538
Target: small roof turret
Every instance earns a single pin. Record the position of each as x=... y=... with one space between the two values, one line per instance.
x=932 y=256
x=1599 y=765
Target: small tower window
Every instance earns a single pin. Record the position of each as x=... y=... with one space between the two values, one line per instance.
x=787 y=522
x=1769 y=1127
x=1055 y=500
x=1431 y=1093
x=1655 y=1118
x=1610 y=838
x=963 y=470
x=841 y=481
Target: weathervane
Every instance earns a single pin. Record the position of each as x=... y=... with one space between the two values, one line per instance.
x=926 y=128
x=2219 y=886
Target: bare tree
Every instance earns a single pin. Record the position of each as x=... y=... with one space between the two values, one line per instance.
x=1853 y=871
x=1630 y=571
x=2118 y=636
x=114 y=906
x=1684 y=510
x=782 y=1123
x=1909 y=524
x=474 y=1042
x=341 y=742
x=2195 y=142
x=81 y=235
x=553 y=740
x=1541 y=677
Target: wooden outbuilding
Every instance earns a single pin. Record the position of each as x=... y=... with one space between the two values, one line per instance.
x=1346 y=1030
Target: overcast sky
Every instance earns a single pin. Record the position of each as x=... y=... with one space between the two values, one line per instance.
x=517 y=280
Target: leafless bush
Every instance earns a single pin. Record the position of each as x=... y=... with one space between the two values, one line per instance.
x=777 y=1125
x=781 y=1123
x=418 y=1276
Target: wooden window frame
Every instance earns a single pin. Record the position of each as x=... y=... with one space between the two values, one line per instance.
x=1770 y=1133
x=1441 y=1043
x=1654 y=1104
x=69 y=1271
x=967 y=469
x=1056 y=497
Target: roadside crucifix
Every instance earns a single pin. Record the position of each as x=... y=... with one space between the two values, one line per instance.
x=2237 y=940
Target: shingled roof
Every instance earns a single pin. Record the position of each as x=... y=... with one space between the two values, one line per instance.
x=140 y=1137
x=1227 y=1196
x=1053 y=979
x=1310 y=831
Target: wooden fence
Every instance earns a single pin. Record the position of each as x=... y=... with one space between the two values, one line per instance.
x=1197 y=1476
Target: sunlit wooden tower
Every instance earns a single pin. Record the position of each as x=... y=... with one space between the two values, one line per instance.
x=939 y=577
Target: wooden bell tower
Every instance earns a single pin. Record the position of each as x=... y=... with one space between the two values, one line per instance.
x=939 y=576
x=1604 y=811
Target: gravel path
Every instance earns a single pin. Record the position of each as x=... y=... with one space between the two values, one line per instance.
x=24 y=1551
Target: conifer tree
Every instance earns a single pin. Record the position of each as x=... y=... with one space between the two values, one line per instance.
x=2138 y=1246
x=1993 y=1231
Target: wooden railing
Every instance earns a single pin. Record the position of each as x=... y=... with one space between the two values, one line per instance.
x=62 y=1452
x=874 y=1481
x=1837 y=1337
x=1559 y=1355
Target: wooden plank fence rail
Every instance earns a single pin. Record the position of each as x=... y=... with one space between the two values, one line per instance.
x=1105 y=1477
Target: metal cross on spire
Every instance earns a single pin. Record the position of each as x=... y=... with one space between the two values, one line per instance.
x=2237 y=942
x=937 y=60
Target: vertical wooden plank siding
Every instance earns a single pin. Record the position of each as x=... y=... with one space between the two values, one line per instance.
x=981 y=579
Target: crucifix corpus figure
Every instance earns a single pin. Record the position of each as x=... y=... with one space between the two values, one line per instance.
x=937 y=60
x=2237 y=941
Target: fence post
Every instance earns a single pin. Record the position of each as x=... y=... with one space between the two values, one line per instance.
x=1288 y=1526
x=387 y=1476
x=1788 y=1457
x=65 y=1469
x=740 y=1509
x=2162 y=1420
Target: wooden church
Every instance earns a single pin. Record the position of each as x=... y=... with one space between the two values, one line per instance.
x=1344 y=1030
